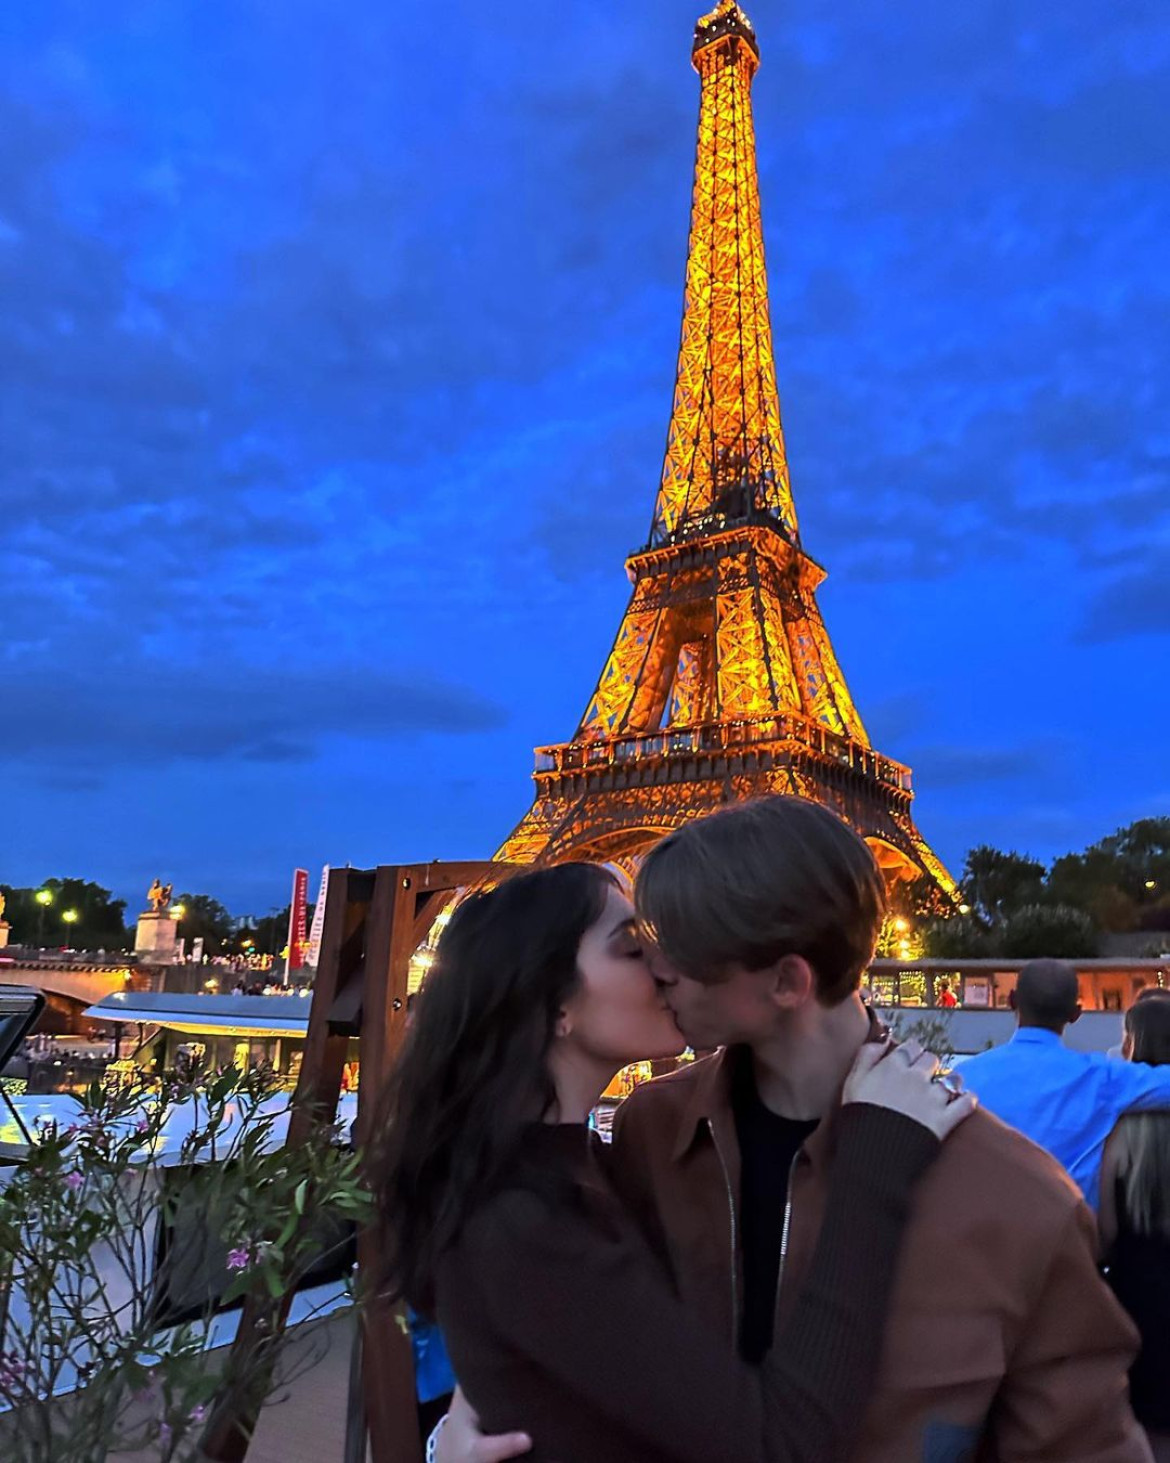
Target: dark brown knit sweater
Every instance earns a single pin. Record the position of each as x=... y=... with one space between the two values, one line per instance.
x=561 y=1322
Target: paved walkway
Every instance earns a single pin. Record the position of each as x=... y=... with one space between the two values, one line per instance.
x=306 y=1421
x=306 y=1424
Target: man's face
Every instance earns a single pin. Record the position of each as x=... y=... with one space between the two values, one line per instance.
x=738 y=1009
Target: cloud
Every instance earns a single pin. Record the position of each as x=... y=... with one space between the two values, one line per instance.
x=967 y=766
x=1132 y=604
x=151 y=714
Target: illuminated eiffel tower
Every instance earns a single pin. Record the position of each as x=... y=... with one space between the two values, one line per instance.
x=722 y=683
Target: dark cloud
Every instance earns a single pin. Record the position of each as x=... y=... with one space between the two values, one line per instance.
x=1132 y=604
x=970 y=766
x=151 y=714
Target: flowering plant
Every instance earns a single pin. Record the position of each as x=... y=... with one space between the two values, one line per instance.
x=122 y=1237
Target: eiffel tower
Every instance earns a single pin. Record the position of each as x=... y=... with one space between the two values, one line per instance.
x=722 y=683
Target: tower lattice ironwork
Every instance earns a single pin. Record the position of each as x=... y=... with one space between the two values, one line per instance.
x=722 y=683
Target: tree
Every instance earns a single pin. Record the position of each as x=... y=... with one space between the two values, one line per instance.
x=1055 y=930
x=205 y=918
x=962 y=937
x=996 y=883
x=99 y=923
x=1122 y=881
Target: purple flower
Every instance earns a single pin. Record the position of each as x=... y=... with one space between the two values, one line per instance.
x=142 y=1126
x=73 y=1180
x=164 y=1433
x=239 y=1259
x=197 y=1414
x=12 y=1370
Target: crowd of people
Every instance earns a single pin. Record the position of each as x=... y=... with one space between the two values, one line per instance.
x=806 y=1246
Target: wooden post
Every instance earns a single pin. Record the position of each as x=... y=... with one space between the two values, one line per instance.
x=374 y=921
x=406 y=900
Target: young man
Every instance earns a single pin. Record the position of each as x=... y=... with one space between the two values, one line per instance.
x=1002 y=1344
x=1067 y=1101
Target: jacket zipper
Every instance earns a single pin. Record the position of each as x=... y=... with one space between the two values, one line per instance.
x=734 y=1234
x=784 y=1240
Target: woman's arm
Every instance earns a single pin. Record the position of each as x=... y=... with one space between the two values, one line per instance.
x=593 y=1314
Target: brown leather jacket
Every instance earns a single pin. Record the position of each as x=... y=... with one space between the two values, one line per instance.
x=1003 y=1343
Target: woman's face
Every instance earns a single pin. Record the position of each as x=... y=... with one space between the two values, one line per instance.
x=617 y=1014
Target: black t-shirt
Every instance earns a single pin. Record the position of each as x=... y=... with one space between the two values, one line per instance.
x=768 y=1145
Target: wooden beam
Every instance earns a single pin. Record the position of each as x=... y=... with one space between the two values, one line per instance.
x=387 y=1360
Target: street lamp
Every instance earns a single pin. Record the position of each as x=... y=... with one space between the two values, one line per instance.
x=43 y=897
x=1151 y=883
x=70 y=916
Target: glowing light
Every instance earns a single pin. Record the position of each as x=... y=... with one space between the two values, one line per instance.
x=44 y=897
x=901 y=925
x=70 y=916
x=179 y=911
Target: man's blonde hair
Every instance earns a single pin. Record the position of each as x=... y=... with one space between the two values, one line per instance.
x=760 y=880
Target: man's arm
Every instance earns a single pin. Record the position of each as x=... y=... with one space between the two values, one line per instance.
x=1141 y=1087
x=1065 y=1394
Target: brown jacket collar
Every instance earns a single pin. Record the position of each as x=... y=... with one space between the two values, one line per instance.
x=709 y=1103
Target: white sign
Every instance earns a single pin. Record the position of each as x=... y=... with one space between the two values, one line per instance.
x=314 y=951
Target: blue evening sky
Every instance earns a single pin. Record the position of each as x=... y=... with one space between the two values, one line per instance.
x=337 y=345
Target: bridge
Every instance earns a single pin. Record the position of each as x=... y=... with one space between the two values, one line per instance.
x=73 y=981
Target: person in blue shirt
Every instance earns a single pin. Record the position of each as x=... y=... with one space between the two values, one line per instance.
x=1066 y=1101
x=434 y=1378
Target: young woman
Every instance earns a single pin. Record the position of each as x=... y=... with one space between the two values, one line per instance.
x=500 y=1219
x=1135 y=1224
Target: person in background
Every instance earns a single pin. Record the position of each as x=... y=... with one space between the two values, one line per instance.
x=1067 y=1101
x=434 y=1380
x=1135 y=1223
x=944 y=996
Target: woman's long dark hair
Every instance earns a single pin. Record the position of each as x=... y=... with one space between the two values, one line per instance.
x=1144 y=1167
x=473 y=1071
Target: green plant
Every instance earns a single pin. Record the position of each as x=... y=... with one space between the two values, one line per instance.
x=89 y=1364
x=933 y=1032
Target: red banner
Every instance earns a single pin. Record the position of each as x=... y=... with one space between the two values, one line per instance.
x=298 y=935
